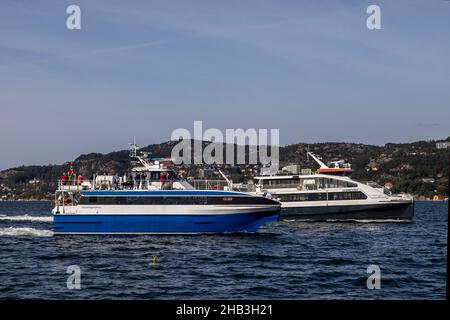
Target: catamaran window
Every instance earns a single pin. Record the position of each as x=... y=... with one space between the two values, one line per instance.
x=154 y=176
x=322 y=196
x=173 y=176
x=280 y=183
x=182 y=200
x=319 y=196
x=276 y=182
x=329 y=183
x=307 y=183
x=353 y=195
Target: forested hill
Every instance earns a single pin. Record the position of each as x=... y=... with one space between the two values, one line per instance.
x=419 y=168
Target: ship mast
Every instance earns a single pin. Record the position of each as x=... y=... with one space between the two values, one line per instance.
x=133 y=150
x=230 y=184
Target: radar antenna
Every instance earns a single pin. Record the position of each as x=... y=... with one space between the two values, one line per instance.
x=133 y=150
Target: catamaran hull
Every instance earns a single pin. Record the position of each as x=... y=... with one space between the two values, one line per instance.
x=401 y=211
x=162 y=223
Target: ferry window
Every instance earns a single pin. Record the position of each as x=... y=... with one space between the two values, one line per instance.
x=173 y=176
x=154 y=176
x=329 y=183
x=353 y=195
x=132 y=200
x=323 y=196
x=346 y=184
x=333 y=183
x=317 y=196
x=280 y=183
x=92 y=199
x=320 y=196
x=186 y=200
x=121 y=200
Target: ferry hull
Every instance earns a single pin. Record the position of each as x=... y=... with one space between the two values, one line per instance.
x=161 y=223
x=401 y=211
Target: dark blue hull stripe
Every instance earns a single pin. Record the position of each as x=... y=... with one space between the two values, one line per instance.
x=187 y=193
x=166 y=224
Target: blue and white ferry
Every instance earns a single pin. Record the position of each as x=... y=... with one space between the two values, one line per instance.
x=153 y=199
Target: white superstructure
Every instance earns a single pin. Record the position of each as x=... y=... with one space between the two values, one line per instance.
x=334 y=197
x=330 y=194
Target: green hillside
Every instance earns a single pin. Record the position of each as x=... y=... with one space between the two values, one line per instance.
x=418 y=168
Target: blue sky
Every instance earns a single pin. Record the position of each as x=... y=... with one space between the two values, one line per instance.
x=144 y=68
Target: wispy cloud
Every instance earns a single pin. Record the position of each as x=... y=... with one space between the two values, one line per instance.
x=310 y=68
x=428 y=124
x=130 y=47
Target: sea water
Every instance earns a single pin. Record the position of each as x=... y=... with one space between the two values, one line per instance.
x=284 y=260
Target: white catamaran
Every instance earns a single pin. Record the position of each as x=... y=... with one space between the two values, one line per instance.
x=153 y=199
x=329 y=194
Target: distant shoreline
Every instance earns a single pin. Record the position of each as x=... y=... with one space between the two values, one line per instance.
x=34 y=200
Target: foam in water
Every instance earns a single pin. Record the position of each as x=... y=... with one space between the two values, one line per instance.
x=11 y=231
x=27 y=218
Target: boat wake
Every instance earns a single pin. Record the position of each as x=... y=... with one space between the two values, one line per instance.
x=27 y=218
x=11 y=231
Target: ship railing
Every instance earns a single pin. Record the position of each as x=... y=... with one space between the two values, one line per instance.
x=199 y=184
x=72 y=185
x=244 y=187
x=205 y=184
x=148 y=185
x=66 y=199
x=297 y=186
x=122 y=185
x=141 y=184
x=281 y=185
